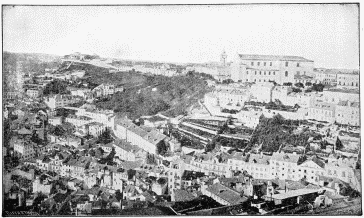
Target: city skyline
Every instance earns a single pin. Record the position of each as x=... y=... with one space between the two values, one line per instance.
x=327 y=33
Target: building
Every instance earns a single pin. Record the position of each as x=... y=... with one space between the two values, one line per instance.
x=311 y=170
x=55 y=120
x=334 y=96
x=262 y=91
x=224 y=195
x=322 y=111
x=24 y=150
x=348 y=80
x=101 y=116
x=78 y=120
x=106 y=89
x=34 y=93
x=325 y=76
x=125 y=150
x=146 y=138
x=83 y=93
x=57 y=101
x=284 y=166
x=348 y=113
x=95 y=129
x=303 y=79
x=284 y=95
x=265 y=68
x=232 y=98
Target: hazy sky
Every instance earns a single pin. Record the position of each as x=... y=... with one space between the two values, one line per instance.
x=327 y=34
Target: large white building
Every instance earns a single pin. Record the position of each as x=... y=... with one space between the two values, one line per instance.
x=348 y=113
x=322 y=111
x=348 y=80
x=145 y=138
x=285 y=95
x=265 y=68
x=57 y=101
x=262 y=91
x=334 y=96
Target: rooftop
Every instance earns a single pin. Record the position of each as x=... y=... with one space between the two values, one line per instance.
x=272 y=57
x=294 y=193
x=226 y=193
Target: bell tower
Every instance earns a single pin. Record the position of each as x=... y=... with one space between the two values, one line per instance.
x=223 y=58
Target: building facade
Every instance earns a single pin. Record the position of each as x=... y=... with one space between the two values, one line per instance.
x=265 y=68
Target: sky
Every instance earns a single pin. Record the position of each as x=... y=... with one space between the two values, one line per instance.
x=325 y=33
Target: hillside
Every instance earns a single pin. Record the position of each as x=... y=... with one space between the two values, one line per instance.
x=170 y=95
x=99 y=75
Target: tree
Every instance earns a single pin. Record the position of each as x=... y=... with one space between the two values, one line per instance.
x=296 y=90
x=56 y=87
x=318 y=87
x=105 y=137
x=287 y=84
x=162 y=148
x=308 y=84
x=338 y=145
x=300 y=85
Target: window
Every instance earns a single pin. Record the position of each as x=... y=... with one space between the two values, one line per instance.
x=264 y=72
x=286 y=73
x=269 y=73
x=265 y=64
x=274 y=73
x=270 y=63
x=298 y=64
x=258 y=63
x=286 y=63
x=260 y=72
x=255 y=72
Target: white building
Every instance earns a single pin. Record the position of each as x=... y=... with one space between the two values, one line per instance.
x=284 y=166
x=95 y=129
x=265 y=68
x=334 y=96
x=262 y=92
x=348 y=113
x=34 y=93
x=348 y=80
x=23 y=150
x=146 y=139
x=78 y=120
x=55 y=121
x=322 y=111
x=57 y=101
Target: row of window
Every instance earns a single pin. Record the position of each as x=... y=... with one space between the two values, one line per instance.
x=348 y=84
x=260 y=73
x=270 y=64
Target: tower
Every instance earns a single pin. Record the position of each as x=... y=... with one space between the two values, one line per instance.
x=223 y=59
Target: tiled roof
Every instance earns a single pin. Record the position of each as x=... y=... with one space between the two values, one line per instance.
x=294 y=193
x=226 y=193
x=259 y=159
x=183 y=195
x=150 y=135
x=286 y=157
x=272 y=57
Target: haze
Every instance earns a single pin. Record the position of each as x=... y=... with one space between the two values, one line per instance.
x=327 y=33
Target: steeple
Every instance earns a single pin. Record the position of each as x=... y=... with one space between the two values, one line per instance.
x=223 y=58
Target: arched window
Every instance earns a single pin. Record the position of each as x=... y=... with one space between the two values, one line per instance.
x=286 y=73
x=286 y=63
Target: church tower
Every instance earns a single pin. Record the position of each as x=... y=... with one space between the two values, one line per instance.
x=223 y=59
